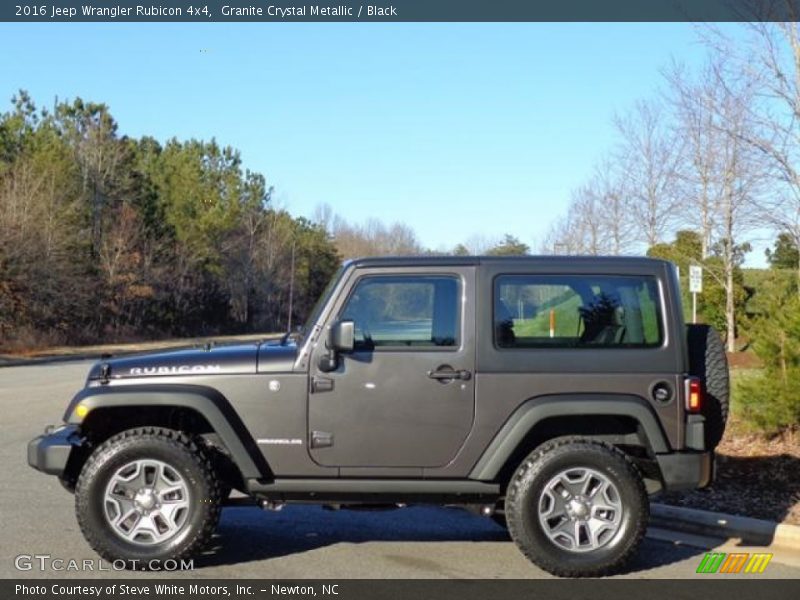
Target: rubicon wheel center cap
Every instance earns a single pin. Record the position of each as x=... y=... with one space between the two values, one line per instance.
x=145 y=499
x=579 y=509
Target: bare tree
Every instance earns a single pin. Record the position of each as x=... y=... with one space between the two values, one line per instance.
x=478 y=244
x=373 y=238
x=324 y=216
x=608 y=188
x=650 y=155
x=739 y=181
x=696 y=104
x=771 y=59
x=722 y=173
x=586 y=215
x=39 y=212
x=566 y=235
x=597 y=219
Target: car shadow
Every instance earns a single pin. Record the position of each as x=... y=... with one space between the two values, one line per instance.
x=248 y=534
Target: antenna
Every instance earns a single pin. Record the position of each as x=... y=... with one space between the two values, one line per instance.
x=291 y=291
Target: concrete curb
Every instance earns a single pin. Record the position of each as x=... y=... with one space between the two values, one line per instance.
x=751 y=531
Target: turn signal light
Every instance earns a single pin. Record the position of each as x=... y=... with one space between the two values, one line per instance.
x=694 y=396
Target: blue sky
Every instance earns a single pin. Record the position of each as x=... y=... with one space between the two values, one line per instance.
x=454 y=129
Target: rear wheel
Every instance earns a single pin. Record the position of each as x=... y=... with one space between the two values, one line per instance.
x=577 y=508
x=147 y=495
x=707 y=361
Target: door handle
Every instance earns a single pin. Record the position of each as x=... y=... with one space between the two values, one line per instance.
x=445 y=375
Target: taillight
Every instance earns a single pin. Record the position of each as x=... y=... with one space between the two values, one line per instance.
x=694 y=395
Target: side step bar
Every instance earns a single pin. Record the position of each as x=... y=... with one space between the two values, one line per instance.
x=395 y=490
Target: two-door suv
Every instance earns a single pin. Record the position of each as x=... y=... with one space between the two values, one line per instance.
x=551 y=393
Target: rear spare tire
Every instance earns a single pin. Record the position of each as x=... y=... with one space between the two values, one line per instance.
x=707 y=360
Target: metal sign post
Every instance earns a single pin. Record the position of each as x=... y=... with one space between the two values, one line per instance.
x=695 y=287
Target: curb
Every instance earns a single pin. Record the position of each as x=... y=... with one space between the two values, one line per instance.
x=751 y=531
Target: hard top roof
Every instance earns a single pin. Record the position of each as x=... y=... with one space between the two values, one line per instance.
x=441 y=261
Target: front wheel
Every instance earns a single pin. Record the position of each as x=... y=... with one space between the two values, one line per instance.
x=577 y=508
x=146 y=496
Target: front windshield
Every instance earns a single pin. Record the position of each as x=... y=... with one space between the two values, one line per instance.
x=320 y=303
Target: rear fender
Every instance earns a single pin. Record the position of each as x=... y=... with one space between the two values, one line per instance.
x=536 y=410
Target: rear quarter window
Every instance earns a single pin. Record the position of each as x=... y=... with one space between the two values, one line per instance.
x=577 y=311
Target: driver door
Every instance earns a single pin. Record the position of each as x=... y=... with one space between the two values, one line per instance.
x=405 y=396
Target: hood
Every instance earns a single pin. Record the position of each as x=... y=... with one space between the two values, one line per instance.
x=240 y=359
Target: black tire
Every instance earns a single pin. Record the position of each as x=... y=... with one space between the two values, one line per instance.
x=525 y=491
x=708 y=361
x=173 y=448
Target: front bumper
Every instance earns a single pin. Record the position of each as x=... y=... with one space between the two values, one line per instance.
x=686 y=470
x=49 y=453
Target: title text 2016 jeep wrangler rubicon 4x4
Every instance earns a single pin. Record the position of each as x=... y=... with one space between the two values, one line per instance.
x=553 y=392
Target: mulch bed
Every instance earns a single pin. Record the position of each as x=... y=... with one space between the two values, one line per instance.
x=744 y=360
x=756 y=477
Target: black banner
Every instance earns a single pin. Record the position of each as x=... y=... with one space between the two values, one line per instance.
x=205 y=11
x=251 y=589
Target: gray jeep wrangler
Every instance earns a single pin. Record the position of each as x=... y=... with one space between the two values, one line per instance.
x=551 y=393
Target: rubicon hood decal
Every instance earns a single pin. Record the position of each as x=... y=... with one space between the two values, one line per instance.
x=220 y=360
x=172 y=370
x=240 y=359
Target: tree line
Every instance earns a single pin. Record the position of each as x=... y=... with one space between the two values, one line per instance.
x=104 y=236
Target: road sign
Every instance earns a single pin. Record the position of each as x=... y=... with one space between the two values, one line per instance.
x=695 y=279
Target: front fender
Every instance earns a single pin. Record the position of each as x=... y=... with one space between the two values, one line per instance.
x=537 y=409
x=208 y=402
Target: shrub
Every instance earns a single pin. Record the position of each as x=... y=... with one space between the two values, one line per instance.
x=769 y=404
x=770 y=401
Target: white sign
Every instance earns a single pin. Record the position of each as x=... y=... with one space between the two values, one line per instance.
x=695 y=279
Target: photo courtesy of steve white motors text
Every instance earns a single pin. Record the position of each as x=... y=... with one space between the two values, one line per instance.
x=172 y=589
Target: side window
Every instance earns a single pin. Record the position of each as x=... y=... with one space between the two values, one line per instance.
x=405 y=311
x=574 y=311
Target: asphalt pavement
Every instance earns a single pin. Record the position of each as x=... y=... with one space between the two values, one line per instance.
x=298 y=542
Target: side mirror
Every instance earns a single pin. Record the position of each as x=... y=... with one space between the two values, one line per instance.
x=341 y=340
x=342 y=337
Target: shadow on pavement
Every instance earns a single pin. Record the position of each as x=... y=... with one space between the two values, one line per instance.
x=249 y=534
